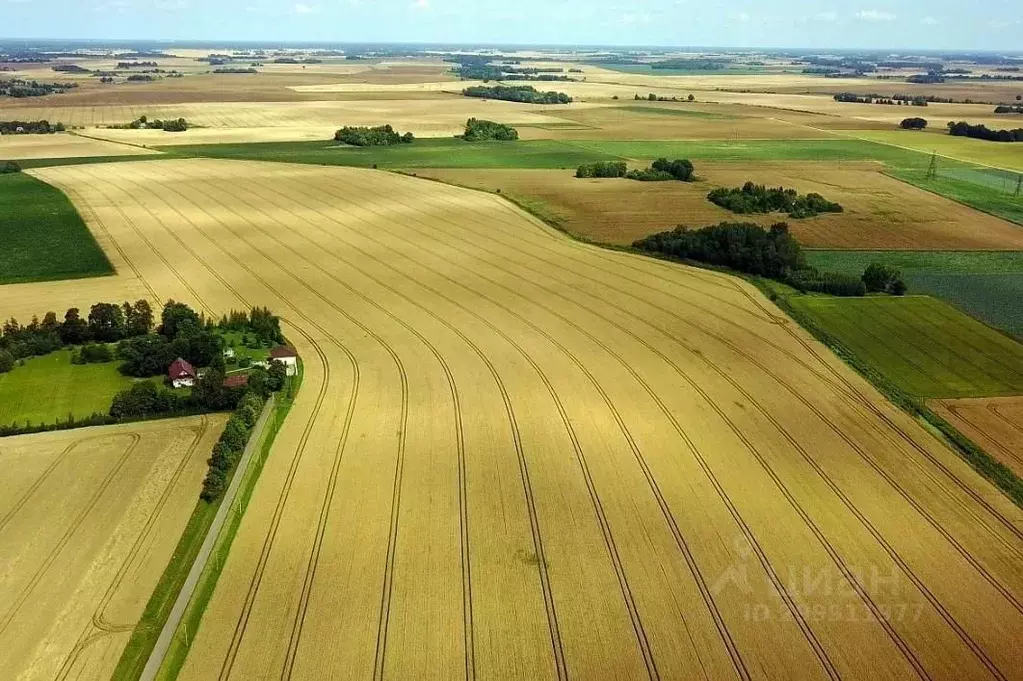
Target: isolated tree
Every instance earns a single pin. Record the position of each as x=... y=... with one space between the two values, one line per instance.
x=898 y=287
x=49 y=323
x=276 y=375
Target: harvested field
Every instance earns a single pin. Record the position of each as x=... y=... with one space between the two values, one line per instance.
x=994 y=423
x=61 y=145
x=880 y=211
x=996 y=154
x=430 y=117
x=88 y=520
x=517 y=456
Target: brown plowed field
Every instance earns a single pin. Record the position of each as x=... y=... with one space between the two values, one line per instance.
x=517 y=456
x=89 y=518
x=880 y=211
x=994 y=423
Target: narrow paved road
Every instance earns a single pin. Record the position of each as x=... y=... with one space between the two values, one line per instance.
x=171 y=625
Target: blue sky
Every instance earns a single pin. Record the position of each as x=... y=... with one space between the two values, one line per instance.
x=931 y=24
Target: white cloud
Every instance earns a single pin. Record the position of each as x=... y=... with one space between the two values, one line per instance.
x=875 y=15
x=929 y=21
x=743 y=17
x=302 y=8
x=826 y=16
x=421 y=4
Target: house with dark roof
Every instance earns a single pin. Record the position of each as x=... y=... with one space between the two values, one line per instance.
x=286 y=356
x=181 y=374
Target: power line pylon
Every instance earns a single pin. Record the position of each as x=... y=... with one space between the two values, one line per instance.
x=932 y=169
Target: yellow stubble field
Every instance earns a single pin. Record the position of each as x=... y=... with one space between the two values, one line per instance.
x=517 y=456
x=996 y=423
x=89 y=518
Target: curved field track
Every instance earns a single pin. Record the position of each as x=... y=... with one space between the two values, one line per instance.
x=89 y=518
x=517 y=456
x=994 y=423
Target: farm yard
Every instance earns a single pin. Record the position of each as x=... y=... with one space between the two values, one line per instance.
x=88 y=520
x=516 y=454
x=561 y=524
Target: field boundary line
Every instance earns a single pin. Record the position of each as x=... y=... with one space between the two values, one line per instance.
x=163 y=642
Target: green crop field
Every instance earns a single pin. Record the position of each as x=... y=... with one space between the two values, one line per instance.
x=924 y=346
x=43 y=236
x=985 y=284
x=48 y=388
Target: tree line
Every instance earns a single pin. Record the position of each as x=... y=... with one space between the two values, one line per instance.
x=143 y=122
x=379 y=136
x=982 y=132
x=915 y=123
x=772 y=253
x=478 y=130
x=526 y=94
x=660 y=170
x=757 y=198
x=1004 y=109
x=42 y=127
x=874 y=98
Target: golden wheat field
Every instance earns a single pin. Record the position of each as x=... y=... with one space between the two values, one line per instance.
x=62 y=145
x=518 y=456
x=996 y=423
x=89 y=518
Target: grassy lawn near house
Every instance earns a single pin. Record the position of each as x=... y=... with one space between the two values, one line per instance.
x=50 y=387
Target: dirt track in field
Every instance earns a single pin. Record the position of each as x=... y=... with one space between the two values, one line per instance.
x=516 y=456
x=994 y=423
x=88 y=520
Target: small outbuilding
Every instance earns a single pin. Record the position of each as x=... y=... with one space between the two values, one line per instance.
x=286 y=356
x=181 y=374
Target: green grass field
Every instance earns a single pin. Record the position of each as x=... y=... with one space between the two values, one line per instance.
x=925 y=347
x=51 y=387
x=985 y=284
x=42 y=235
x=670 y=111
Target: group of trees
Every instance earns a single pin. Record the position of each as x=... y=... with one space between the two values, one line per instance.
x=182 y=333
x=106 y=323
x=981 y=131
x=757 y=198
x=9 y=167
x=915 y=123
x=477 y=130
x=771 y=253
x=230 y=446
x=19 y=88
x=263 y=324
x=526 y=94
x=1006 y=109
x=928 y=78
x=380 y=136
x=742 y=246
x=660 y=170
x=873 y=98
x=136 y=64
x=235 y=70
x=143 y=122
x=602 y=169
x=42 y=127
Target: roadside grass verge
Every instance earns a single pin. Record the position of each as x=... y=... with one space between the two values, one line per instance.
x=192 y=617
x=47 y=388
x=42 y=235
x=987 y=285
x=926 y=348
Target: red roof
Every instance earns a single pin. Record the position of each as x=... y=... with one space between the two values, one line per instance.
x=283 y=351
x=236 y=381
x=179 y=368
